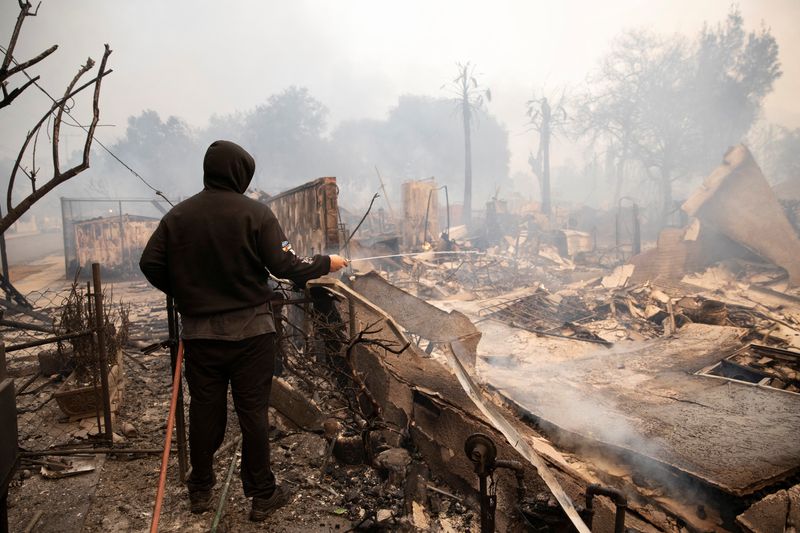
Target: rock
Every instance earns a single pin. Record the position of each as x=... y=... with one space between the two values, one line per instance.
x=332 y=427
x=89 y=424
x=770 y=514
x=349 y=449
x=117 y=438
x=393 y=459
x=383 y=515
x=418 y=517
x=129 y=430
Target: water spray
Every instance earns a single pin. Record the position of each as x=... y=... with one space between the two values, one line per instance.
x=413 y=254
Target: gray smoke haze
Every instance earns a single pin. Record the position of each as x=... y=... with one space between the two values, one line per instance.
x=191 y=71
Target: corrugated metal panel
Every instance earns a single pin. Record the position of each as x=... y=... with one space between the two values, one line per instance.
x=417 y=195
x=309 y=215
x=114 y=242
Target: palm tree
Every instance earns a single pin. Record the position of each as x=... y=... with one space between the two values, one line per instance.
x=469 y=98
x=546 y=120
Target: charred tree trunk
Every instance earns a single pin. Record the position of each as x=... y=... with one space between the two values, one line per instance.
x=467 y=215
x=619 y=179
x=546 y=200
x=665 y=186
x=620 y=170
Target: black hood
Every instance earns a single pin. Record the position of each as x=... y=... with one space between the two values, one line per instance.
x=227 y=166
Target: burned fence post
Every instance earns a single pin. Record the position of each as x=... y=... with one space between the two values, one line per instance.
x=637 y=231
x=94 y=356
x=8 y=437
x=100 y=328
x=180 y=417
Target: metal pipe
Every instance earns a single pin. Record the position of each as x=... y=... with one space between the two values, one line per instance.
x=99 y=318
x=49 y=340
x=447 y=200
x=519 y=473
x=224 y=494
x=481 y=451
x=487 y=509
x=427 y=210
x=413 y=254
x=619 y=499
x=92 y=451
x=25 y=325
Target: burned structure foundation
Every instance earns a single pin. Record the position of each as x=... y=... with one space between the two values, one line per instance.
x=537 y=387
x=659 y=419
x=423 y=395
x=109 y=231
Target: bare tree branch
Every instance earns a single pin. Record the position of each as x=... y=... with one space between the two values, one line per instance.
x=24 y=8
x=6 y=69
x=14 y=212
x=19 y=67
x=9 y=97
x=24 y=11
x=57 y=122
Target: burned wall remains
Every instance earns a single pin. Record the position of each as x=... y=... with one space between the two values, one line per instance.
x=115 y=242
x=309 y=215
x=420 y=212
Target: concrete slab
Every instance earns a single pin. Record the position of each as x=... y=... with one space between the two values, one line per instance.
x=417 y=316
x=774 y=513
x=295 y=406
x=644 y=399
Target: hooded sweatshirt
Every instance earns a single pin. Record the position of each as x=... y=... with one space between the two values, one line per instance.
x=213 y=251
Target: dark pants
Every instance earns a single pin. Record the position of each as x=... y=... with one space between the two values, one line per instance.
x=247 y=365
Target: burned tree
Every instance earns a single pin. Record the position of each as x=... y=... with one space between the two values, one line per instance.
x=547 y=120
x=469 y=97
x=54 y=117
x=674 y=105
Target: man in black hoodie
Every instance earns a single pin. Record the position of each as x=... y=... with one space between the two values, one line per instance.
x=213 y=254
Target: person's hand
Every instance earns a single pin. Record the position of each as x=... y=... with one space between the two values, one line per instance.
x=338 y=262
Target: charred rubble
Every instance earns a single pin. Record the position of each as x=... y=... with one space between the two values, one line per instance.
x=524 y=374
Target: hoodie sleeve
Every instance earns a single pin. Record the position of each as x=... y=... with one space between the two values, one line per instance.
x=279 y=257
x=154 y=260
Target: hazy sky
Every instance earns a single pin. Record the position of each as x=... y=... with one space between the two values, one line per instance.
x=193 y=59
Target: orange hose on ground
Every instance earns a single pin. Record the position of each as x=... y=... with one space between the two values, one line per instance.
x=162 y=481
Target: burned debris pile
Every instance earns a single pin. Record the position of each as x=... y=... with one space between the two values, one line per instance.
x=635 y=339
x=529 y=359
